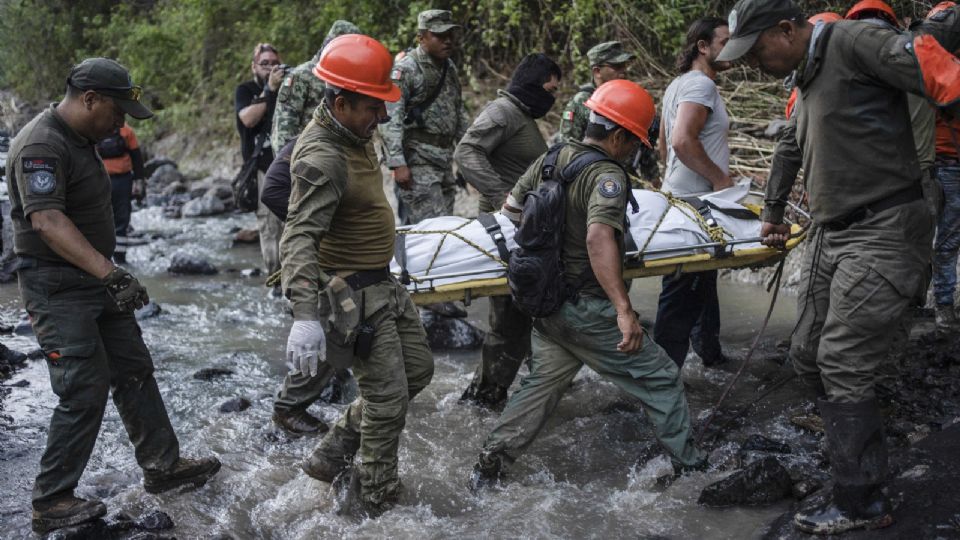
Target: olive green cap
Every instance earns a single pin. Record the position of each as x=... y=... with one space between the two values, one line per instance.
x=748 y=19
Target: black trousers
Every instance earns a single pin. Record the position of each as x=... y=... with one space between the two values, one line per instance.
x=689 y=311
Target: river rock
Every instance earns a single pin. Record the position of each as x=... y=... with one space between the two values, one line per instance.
x=450 y=333
x=208 y=205
x=246 y=236
x=759 y=443
x=154 y=520
x=23 y=328
x=166 y=166
x=221 y=189
x=10 y=356
x=190 y=265
x=152 y=309
x=23 y=383
x=763 y=482
x=198 y=189
x=175 y=188
x=236 y=404
x=209 y=374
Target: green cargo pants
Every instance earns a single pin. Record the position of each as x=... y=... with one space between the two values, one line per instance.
x=587 y=333
x=300 y=391
x=92 y=349
x=505 y=347
x=399 y=367
x=858 y=283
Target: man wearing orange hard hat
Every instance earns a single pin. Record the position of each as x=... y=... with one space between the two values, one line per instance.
x=336 y=250
x=591 y=321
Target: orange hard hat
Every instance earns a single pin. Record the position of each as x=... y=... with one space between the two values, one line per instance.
x=625 y=103
x=872 y=8
x=826 y=16
x=940 y=7
x=360 y=64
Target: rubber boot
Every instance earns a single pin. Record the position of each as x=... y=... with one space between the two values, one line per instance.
x=858 y=458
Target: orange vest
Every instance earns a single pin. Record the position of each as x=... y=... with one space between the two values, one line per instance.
x=122 y=164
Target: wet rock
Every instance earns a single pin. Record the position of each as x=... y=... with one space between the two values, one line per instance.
x=236 y=404
x=85 y=531
x=251 y=272
x=152 y=309
x=208 y=205
x=763 y=482
x=6 y=328
x=221 y=189
x=209 y=374
x=155 y=520
x=162 y=170
x=20 y=384
x=759 y=443
x=36 y=354
x=190 y=265
x=171 y=212
x=175 y=189
x=23 y=328
x=10 y=356
x=803 y=488
x=450 y=333
x=246 y=236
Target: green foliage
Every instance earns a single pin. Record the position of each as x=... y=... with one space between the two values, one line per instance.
x=189 y=55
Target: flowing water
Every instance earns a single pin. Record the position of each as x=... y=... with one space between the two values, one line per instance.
x=579 y=480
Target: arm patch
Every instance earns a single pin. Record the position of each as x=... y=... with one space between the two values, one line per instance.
x=609 y=186
x=40 y=173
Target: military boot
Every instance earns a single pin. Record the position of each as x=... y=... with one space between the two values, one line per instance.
x=946 y=318
x=320 y=467
x=185 y=472
x=299 y=422
x=858 y=459
x=487 y=472
x=65 y=512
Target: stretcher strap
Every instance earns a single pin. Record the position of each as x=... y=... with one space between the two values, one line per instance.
x=400 y=253
x=492 y=226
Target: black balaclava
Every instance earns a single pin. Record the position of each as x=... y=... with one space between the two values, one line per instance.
x=526 y=83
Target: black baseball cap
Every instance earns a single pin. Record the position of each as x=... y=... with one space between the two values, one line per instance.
x=108 y=77
x=748 y=19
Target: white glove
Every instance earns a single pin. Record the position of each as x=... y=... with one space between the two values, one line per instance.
x=306 y=346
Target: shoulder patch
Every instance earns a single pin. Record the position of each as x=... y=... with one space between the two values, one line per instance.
x=396 y=74
x=288 y=82
x=568 y=116
x=40 y=173
x=609 y=186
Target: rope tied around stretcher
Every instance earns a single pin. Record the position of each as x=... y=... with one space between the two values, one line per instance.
x=715 y=232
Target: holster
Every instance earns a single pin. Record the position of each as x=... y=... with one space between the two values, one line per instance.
x=349 y=332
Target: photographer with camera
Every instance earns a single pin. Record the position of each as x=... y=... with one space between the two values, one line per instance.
x=255 y=101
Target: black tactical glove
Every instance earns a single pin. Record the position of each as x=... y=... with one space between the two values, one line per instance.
x=125 y=290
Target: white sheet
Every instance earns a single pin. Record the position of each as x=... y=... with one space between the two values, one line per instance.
x=451 y=254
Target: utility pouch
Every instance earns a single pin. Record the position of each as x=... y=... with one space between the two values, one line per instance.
x=340 y=324
x=364 y=334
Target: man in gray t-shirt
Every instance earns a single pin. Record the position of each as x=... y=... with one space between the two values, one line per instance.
x=693 y=144
x=693 y=114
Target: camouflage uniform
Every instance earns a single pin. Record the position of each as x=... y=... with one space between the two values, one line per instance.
x=426 y=146
x=301 y=92
x=573 y=121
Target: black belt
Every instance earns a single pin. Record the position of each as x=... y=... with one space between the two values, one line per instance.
x=904 y=196
x=364 y=278
x=27 y=263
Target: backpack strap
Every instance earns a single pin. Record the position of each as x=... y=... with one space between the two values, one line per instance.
x=492 y=226
x=549 y=166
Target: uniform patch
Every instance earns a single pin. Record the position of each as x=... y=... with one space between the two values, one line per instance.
x=568 y=116
x=288 y=81
x=396 y=74
x=41 y=174
x=609 y=187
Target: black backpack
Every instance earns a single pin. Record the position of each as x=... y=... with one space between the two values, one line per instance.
x=113 y=146
x=535 y=272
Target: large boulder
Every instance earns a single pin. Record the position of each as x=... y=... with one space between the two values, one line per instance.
x=153 y=164
x=762 y=482
x=184 y=264
x=208 y=205
x=166 y=174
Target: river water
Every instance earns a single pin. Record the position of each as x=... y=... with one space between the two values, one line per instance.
x=579 y=480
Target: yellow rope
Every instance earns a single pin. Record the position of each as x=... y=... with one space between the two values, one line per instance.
x=716 y=232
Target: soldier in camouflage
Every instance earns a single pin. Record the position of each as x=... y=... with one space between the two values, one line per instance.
x=608 y=61
x=301 y=92
x=427 y=121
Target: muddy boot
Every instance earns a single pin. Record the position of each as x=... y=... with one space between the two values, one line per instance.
x=320 y=467
x=299 y=422
x=946 y=318
x=65 y=512
x=487 y=472
x=858 y=458
x=185 y=472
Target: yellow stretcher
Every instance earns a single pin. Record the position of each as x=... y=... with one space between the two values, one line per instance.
x=724 y=257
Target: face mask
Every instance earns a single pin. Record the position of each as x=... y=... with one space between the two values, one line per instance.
x=538 y=100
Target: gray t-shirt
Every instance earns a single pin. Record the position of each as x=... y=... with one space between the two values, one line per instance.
x=695 y=87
